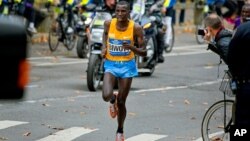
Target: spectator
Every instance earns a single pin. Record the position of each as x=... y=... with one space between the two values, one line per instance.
x=182 y=13
x=244 y=14
x=239 y=66
x=215 y=30
x=247 y=1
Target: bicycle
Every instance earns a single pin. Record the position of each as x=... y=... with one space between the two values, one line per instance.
x=220 y=116
x=58 y=31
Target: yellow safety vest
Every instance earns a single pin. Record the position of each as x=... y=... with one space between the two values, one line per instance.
x=166 y=3
x=17 y=1
x=70 y=2
x=84 y=2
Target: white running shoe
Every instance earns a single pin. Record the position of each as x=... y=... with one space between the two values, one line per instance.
x=32 y=29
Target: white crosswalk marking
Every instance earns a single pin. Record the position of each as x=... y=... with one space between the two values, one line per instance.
x=146 y=137
x=75 y=132
x=8 y=123
x=68 y=134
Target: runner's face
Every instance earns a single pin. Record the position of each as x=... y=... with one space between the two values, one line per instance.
x=121 y=12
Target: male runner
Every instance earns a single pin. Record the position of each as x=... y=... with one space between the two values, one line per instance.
x=119 y=51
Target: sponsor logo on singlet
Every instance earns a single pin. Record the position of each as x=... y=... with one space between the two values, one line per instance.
x=116 y=49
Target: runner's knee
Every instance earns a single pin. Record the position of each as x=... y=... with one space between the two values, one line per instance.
x=120 y=102
x=106 y=95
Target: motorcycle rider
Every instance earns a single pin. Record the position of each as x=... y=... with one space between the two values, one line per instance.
x=162 y=30
x=164 y=36
x=109 y=5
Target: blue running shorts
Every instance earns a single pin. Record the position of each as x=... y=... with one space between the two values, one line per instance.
x=121 y=69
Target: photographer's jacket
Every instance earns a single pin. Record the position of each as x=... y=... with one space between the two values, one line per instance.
x=222 y=40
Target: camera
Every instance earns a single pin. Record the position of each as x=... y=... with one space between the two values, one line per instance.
x=201 y=32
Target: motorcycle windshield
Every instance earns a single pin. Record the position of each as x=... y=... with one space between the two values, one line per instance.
x=100 y=19
x=145 y=20
x=88 y=14
x=138 y=10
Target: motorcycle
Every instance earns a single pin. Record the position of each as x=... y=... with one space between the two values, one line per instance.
x=95 y=68
x=149 y=22
x=82 y=46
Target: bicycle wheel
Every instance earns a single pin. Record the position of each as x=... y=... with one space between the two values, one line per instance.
x=215 y=121
x=171 y=42
x=54 y=35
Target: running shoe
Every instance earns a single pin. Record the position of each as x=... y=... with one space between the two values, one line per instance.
x=119 y=137
x=113 y=109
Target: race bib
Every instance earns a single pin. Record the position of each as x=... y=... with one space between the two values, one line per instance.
x=116 y=49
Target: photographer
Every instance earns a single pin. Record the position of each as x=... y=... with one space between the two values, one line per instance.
x=217 y=37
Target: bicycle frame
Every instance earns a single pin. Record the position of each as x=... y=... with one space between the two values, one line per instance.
x=228 y=120
x=227 y=127
x=60 y=21
x=227 y=91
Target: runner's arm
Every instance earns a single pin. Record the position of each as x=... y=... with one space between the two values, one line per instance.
x=105 y=37
x=138 y=35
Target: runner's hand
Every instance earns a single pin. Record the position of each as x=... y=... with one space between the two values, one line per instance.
x=104 y=51
x=125 y=45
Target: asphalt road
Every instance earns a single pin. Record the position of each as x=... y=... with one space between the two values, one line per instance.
x=167 y=106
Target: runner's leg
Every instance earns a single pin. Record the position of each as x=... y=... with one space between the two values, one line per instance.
x=124 y=87
x=108 y=85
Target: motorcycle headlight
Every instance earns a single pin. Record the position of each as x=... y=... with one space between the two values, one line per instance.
x=146 y=25
x=88 y=21
x=80 y=23
x=96 y=36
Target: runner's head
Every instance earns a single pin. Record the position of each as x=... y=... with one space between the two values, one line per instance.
x=122 y=11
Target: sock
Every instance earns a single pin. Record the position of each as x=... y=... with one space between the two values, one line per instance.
x=112 y=100
x=120 y=130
